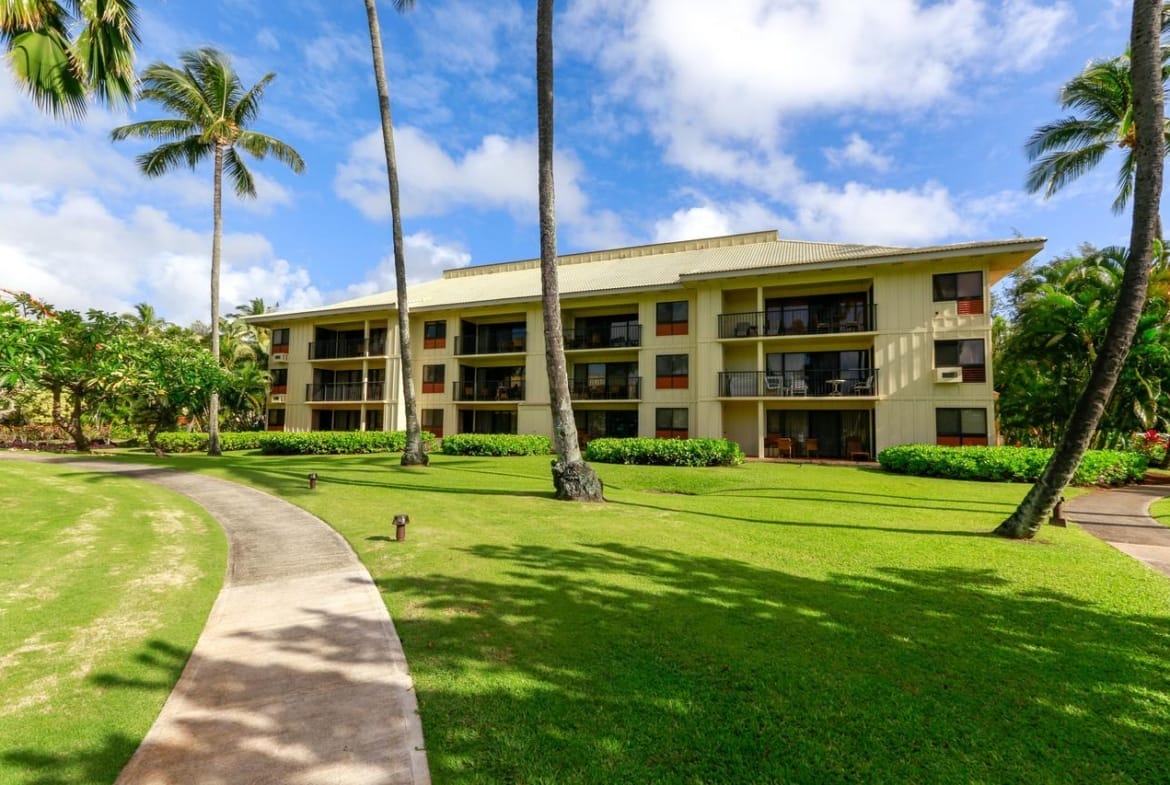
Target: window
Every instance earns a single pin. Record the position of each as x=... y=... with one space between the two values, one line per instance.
x=279 y=380
x=670 y=423
x=275 y=419
x=671 y=372
x=672 y=318
x=959 y=427
x=432 y=420
x=434 y=378
x=966 y=354
x=280 y=340
x=435 y=335
x=373 y=421
x=966 y=288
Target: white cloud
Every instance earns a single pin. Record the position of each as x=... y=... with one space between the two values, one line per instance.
x=499 y=174
x=426 y=258
x=722 y=84
x=858 y=152
x=711 y=220
x=469 y=36
x=880 y=216
x=266 y=39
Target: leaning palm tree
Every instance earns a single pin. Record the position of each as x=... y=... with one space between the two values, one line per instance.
x=212 y=112
x=1148 y=159
x=572 y=477
x=61 y=53
x=414 y=454
x=1068 y=148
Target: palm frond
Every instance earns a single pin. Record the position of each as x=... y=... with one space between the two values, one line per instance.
x=159 y=130
x=48 y=72
x=238 y=173
x=1052 y=172
x=165 y=157
x=248 y=107
x=262 y=145
x=105 y=49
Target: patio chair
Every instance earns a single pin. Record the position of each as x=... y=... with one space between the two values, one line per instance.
x=774 y=384
x=798 y=386
x=810 y=448
x=864 y=388
x=783 y=446
x=855 y=451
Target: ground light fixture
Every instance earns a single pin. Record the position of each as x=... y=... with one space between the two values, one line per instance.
x=312 y=480
x=400 y=522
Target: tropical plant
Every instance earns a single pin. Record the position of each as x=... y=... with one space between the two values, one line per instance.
x=61 y=53
x=1148 y=159
x=1060 y=316
x=212 y=112
x=573 y=478
x=414 y=454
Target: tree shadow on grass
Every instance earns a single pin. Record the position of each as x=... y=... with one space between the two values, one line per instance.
x=610 y=663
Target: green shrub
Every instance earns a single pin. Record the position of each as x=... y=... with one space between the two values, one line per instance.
x=1009 y=464
x=294 y=443
x=665 y=452
x=498 y=444
x=336 y=442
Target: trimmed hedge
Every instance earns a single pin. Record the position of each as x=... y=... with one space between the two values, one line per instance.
x=1009 y=464
x=665 y=452
x=295 y=443
x=496 y=444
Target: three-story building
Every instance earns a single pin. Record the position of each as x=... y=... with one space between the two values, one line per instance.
x=789 y=348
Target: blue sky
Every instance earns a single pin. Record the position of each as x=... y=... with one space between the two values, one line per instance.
x=873 y=121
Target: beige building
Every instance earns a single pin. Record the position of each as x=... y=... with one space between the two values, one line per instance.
x=786 y=347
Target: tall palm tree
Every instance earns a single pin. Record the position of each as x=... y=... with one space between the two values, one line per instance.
x=212 y=112
x=413 y=455
x=63 y=52
x=572 y=477
x=1149 y=153
x=145 y=320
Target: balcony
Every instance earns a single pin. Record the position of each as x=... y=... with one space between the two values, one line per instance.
x=808 y=384
x=349 y=392
x=469 y=344
x=616 y=336
x=750 y=324
x=626 y=390
x=346 y=348
x=488 y=391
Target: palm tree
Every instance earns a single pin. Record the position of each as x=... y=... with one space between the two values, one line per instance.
x=212 y=114
x=572 y=477
x=413 y=455
x=1065 y=149
x=1149 y=150
x=145 y=320
x=63 y=52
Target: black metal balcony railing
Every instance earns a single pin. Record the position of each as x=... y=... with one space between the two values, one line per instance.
x=627 y=390
x=616 y=336
x=755 y=323
x=488 y=391
x=470 y=344
x=345 y=348
x=755 y=384
x=347 y=391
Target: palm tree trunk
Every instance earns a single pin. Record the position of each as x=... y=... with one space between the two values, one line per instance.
x=413 y=455
x=216 y=243
x=572 y=477
x=1146 y=71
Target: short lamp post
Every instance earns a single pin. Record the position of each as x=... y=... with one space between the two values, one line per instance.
x=312 y=480
x=400 y=522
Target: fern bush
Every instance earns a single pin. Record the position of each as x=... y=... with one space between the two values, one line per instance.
x=665 y=452
x=496 y=444
x=1009 y=464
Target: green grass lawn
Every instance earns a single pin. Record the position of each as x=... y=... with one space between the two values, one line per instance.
x=767 y=623
x=1160 y=511
x=105 y=584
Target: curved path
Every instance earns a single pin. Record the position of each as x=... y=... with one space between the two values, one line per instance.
x=299 y=677
x=1121 y=517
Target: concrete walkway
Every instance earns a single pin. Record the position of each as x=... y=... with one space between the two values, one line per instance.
x=299 y=677
x=1120 y=517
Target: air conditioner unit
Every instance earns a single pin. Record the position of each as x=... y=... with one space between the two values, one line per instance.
x=948 y=375
x=280 y=357
x=280 y=398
